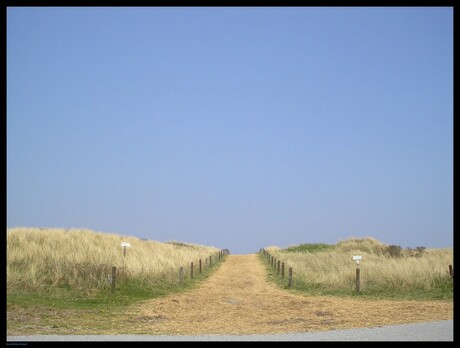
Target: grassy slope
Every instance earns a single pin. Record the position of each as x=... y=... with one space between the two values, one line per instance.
x=385 y=272
x=72 y=268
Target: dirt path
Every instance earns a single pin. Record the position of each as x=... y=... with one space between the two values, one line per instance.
x=237 y=299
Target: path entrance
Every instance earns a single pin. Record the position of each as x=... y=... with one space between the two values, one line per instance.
x=238 y=299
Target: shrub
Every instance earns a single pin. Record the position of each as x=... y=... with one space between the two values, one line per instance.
x=394 y=250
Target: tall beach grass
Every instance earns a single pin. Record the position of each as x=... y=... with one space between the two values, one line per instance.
x=385 y=270
x=41 y=260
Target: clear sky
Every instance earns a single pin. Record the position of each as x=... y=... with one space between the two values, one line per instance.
x=239 y=128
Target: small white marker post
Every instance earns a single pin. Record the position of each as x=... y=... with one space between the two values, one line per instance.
x=125 y=245
x=357 y=258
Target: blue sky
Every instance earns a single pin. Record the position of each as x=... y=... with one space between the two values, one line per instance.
x=239 y=128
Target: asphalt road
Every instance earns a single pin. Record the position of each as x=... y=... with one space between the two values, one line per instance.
x=431 y=331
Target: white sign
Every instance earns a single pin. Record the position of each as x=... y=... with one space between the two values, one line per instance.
x=357 y=258
x=125 y=244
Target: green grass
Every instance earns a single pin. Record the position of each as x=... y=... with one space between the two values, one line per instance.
x=310 y=247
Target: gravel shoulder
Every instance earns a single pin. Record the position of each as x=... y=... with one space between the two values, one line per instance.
x=433 y=331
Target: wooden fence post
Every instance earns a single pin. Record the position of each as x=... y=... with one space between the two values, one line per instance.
x=357 y=279
x=191 y=270
x=451 y=271
x=290 y=277
x=279 y=267
x=199 y=265
x=210 y=261
x=282 y=270
x=114 y=269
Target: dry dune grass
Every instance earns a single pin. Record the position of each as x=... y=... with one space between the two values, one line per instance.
x=79 y=258
x=333 y=269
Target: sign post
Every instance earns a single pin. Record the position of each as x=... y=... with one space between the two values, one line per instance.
x=357 y=258
x=125 y=245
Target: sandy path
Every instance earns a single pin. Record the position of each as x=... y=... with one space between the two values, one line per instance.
x=237 y=299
